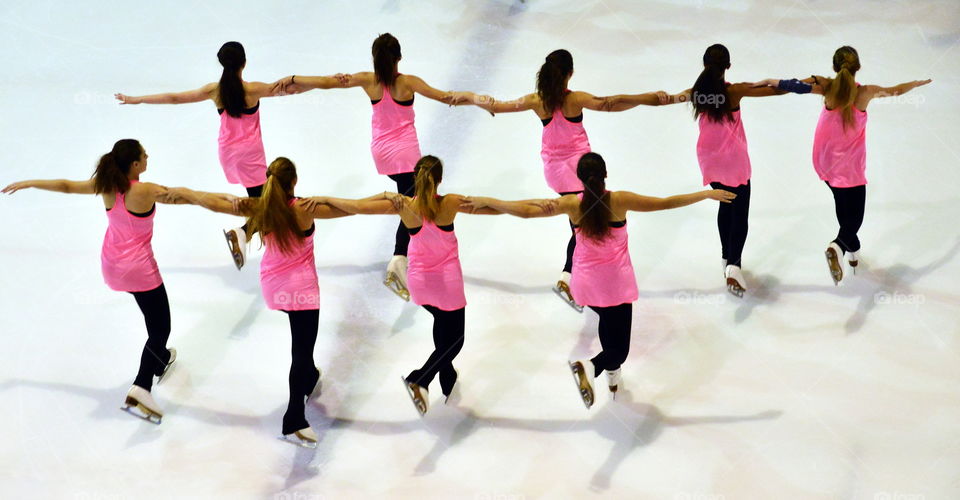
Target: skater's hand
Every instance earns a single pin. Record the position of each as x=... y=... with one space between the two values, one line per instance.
x=343 y=78
x=721 y=195
x=16 y=186
x=125 y=99
x=549 y=207
x=396 y=198
x=769 y=82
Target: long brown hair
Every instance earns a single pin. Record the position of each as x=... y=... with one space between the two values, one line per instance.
x=839 y=90
x=386 y=55
x=113 y=169
x=272 y=214
x=232 y=96
x=595 y=213
x=551 y=79
x=710 y=94
x=428 y=173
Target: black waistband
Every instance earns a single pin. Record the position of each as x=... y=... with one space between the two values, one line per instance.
x=613 y=223
x=575 y=119
x=247 y=111
x=408 y=102
x=447 y=229
x=142 y=215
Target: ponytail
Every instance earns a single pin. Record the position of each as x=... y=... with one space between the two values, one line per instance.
x=386 y=55
x=710 y=94
x=232 y=96
x=272 y=214
x=113 y=169
x=595 y=213
x=428 y=174
x=840 y=90
x=551 y=79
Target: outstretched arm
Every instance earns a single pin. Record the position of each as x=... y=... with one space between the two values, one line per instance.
x=215 y=202
x=520 y=208
x=623 y=102
x=494 y=106
x=903 y=88
x=196 y=95
x=57 y=185
x=294 y=84
x=376 y=204
x=749 y=90
x=639 y=203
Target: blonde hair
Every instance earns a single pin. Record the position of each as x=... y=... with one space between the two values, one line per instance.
x=428 y=173
x=840 y=90
x=272 y=214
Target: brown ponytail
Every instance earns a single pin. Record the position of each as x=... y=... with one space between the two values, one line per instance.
x=386 y=55
x=551 y=79
x=595 y=213
x=840 y=90
x=428 y=174
x=272 y=215
x=113 y=169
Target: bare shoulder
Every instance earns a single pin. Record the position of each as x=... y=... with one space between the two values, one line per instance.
x=364 y=78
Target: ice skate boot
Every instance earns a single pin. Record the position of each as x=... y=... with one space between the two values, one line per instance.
x=450 y=388
x=562 y=289
x=583 y=376
x=396 y=277
x=140 y=403
x=317 y=387
x=735 y=282
x=853 y=258
x=419 y=395
x=304 y=437
x=614 y=381
x=237 y=244
x=166 y=368
x=834 y=254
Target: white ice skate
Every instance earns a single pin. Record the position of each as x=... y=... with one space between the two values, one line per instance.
x=451 y=394
x=173 y=357
x=317 y=388
x=396 y=277
x=237 y=244
x=735 y=282
x=562 y=289
x=304 y=437
x=583 y=376
x=419 y=395
x=853 y=258
x=834 y=254
x=140 y=403
x=614 y=381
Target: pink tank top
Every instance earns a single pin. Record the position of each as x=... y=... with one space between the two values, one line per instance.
x=241 y=148
x=434 y=277
x=722 y=151
x=395 y=147
x=126 y=258
x=563 y=143
x=840 y=154
x=602 y=274
x=289 y=280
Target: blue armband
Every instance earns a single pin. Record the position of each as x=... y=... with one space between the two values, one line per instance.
x=795 y=86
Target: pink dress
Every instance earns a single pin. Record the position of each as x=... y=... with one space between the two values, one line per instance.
x=241 y=148
x=126 y=258
x=840 y=154
x=722 y=151
x=563 y=143
x=394 y=145
x=434 y=277
x=602 y=271
x=289 y=280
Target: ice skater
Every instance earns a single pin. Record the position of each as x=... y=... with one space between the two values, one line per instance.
x=603 y=277
x=240 y=145
x=394 y=142
x=126 y=258
x=839 y=147
x=434 y=277
x=288 y=276
x=564 y=139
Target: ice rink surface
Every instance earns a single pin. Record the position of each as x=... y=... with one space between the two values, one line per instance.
x=799 y=390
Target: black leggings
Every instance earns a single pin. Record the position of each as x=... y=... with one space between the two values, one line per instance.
x=572 y=244
x=156 y=314
x=405 y=187
x=732 y=222
x=252 y=192
x=614 y=330
x=448 y=329
x=850 y=203
x=303 y=372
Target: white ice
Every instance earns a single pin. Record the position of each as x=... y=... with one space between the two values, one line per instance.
x=800 y=390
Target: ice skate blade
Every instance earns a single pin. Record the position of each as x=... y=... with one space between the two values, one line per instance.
x=392 y=281
x=833 y=263
x=234 y=246
x=137 y=410
x=297 y=440
x=568 y=299
x=613 y=392
x=734 y=288
x=419 y=401
x=583 y=385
